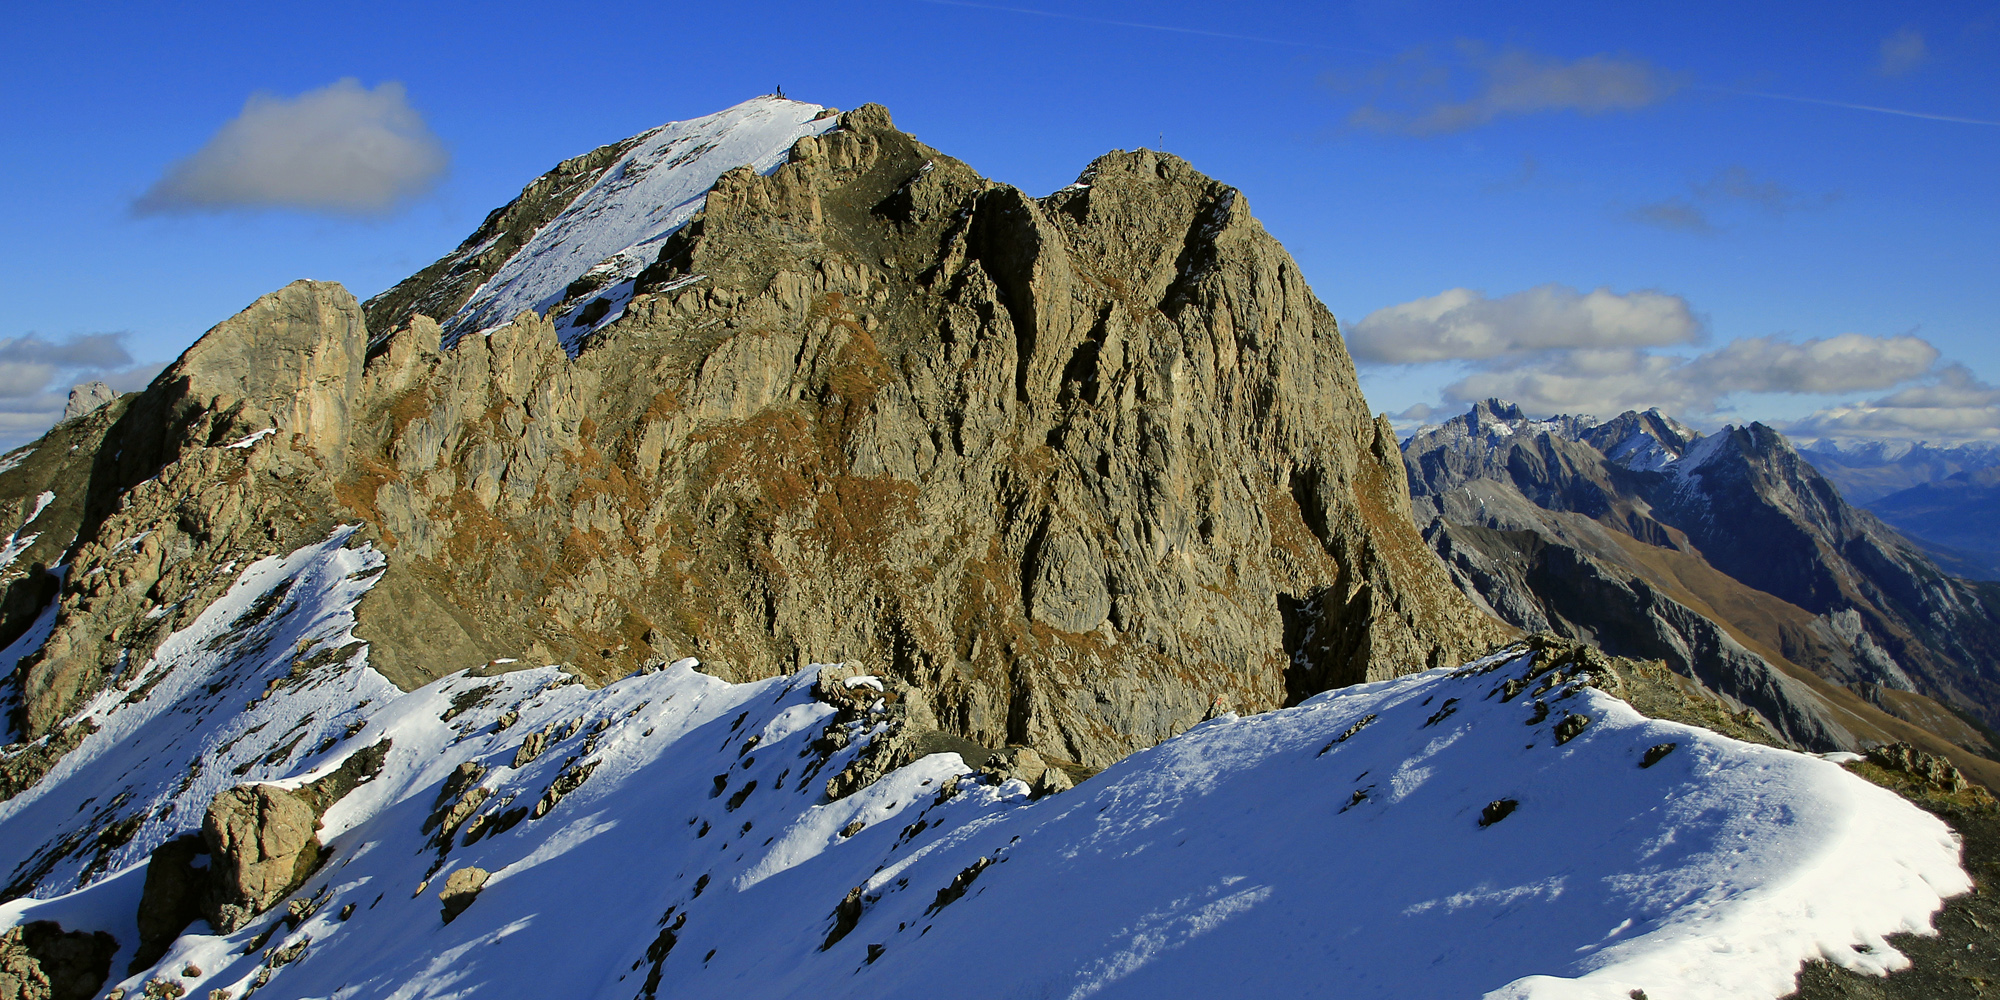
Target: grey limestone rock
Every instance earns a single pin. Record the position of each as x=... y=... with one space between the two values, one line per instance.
x=1069 y=467
x=87 y=397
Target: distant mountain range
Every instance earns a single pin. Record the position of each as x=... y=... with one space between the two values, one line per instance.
x=1730 y=556
x=1867 y=471
x=1947 y=500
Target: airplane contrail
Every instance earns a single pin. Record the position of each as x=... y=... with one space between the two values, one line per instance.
x=1850 y=106
x=1151 y=27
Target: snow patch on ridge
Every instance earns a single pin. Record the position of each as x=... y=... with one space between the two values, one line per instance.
x=614 y=230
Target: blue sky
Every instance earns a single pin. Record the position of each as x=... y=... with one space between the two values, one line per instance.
x=1457 y=181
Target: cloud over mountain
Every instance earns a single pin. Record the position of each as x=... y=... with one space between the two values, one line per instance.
x=343 y=149
x=1955 y=406
x=1463 y=324
x=1553 y=349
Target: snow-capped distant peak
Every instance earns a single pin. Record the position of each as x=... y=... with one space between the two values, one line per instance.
x=1702 y=450
x=1643 y=452
x=614 y=230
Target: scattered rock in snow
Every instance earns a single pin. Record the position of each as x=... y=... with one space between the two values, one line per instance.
x=1054 y=779
x=1496 y=810
x=1015 y=762
x=1570 y=727
x=262 y=839
x=845 y=915
x=461 y=887
x=532 y=747
x=460 y=797
x=1656 y=753
x=958 y=885
x=1444 y=712
x=1348 y=733
x=172 y=897
x=571 y=779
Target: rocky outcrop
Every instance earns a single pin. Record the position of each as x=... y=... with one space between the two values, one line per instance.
x=1068 y=467
x=257 y=844
x=174 y=896
x=87 y=397
x=230 y=454
x=458 y=799
x=263 y=843
x=461 y=888
x=40 y=961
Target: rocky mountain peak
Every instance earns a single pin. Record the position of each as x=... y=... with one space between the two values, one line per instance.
x=1070 y=468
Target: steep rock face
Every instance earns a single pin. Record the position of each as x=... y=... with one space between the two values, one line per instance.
x=873 y=407
x=87 y=397
x=1072 y=469
x=231 y=453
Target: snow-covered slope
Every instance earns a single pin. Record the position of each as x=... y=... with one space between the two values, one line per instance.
x=1497 y=830
x=614 y=230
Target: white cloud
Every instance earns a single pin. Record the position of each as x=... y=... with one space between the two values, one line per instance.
x=1955 y=407
x=1902 y=52
x=1608 y=382
x=1419 y=95
x=342 y=148
x=1847 y=363
x=1555 y=350
x=1594 y=382
x=1463 y=324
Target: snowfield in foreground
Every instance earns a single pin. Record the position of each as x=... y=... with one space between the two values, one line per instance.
x=1419 y=838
